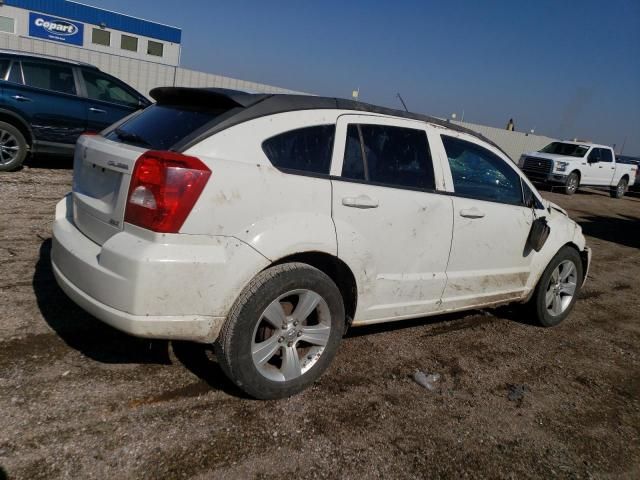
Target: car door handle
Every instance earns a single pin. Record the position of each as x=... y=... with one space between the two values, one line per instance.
x=362 y=201
x=20 y=98
x=471 y=213
x=97 y=110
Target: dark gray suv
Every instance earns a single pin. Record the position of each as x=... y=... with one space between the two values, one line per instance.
x=46 y=103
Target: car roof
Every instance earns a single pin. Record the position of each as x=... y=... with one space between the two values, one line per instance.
x=46 y=57
x=255 y=105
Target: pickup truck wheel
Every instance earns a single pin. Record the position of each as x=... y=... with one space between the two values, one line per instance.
x=282 y=332
x=556 y=292
x=620 y=190
x=13 y=147
x=573 y=181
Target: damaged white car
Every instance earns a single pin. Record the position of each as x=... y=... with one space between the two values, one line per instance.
x=269 y=224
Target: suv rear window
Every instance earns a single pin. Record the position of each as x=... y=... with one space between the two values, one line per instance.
x=162 y=126
x=305 y=149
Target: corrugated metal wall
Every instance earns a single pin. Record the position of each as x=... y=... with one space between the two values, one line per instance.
x=141 y=75
x=513 y=143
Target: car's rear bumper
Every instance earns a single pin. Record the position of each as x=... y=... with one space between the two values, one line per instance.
x=149 y=285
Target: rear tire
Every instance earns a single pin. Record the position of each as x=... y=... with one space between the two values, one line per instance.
x=556 y=292
x=13 y=148
x=573 y=182
x=283 y=331
x=620 y=189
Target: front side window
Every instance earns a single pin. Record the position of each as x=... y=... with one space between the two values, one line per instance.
x=391 y=156
x=305 y=149
x=101 y=87
x=155 y=48
x=48 y=76
x=128 y=42
x=479 y=173
x=606 y=155
x=594 y=156
x=101 y=37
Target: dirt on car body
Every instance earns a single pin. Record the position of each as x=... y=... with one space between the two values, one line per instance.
x=81 y=400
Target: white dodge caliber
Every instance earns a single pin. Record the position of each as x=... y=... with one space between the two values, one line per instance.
x=268 y=224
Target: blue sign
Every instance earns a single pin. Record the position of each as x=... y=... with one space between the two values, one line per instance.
x=56 y=29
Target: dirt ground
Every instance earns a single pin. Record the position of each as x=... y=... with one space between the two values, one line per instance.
x=81 y=400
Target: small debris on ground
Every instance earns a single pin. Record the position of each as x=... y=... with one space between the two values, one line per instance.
x=425 y=380
x=516 y=392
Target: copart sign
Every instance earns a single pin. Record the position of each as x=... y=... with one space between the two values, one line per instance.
x=56 y=29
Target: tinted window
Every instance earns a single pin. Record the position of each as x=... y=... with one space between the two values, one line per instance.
x=594 y=156
x=58 y=78
x=606 y=155
x=529 y=198
x=306 y=149
x=162 y=126
x=101 y=37
x=478 y=173
x=4 y=66
x=102 y=87
x=15 y=74
x=388 y=155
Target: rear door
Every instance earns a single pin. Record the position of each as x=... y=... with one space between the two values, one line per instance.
x=392 y=228
x=489 y=261
x=108 y=99
x=46 y=95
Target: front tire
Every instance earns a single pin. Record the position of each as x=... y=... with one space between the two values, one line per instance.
x=620 y=189
x=573 y=182
x=13 y=147
x=556 y=292
x=283 y=331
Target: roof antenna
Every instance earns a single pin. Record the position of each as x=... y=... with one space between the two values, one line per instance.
x=402 y=101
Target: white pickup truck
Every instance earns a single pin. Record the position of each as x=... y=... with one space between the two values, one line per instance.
x=575 y=164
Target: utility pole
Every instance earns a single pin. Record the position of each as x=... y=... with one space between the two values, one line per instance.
x=402 y=101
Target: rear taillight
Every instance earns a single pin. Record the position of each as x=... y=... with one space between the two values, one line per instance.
x=164 y=188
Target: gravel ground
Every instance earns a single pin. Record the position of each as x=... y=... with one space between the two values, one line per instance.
x=81 y=400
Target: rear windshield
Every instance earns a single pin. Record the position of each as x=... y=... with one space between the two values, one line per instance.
x=159 y=127
x=568 y=149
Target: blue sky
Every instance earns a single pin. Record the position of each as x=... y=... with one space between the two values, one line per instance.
x=566 y=68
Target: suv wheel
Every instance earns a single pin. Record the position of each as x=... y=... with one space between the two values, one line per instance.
x=573 y=182
x=557 y=290
x=620 y=189
x=13 y=147
x=282 y=332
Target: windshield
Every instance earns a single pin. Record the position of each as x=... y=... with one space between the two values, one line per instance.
x=568 y=149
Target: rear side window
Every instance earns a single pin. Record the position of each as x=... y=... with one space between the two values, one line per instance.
x=15 y=73
x=305 y=149
x=161 y=126
x=606 y=155
x=393 y=156
x=478 y=173
x=58 y=78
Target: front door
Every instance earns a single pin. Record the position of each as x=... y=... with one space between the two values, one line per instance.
x=392 y=228
x=489 y=260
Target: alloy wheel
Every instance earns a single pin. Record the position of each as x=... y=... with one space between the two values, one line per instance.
x=9 y=147
x=291 y=335
x=562 y=288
